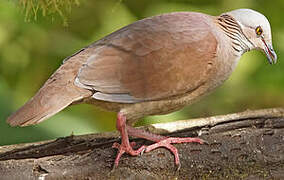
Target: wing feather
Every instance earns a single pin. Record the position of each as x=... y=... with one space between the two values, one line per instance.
x=156 y=58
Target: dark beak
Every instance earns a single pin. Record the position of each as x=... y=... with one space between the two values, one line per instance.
x=270 y=53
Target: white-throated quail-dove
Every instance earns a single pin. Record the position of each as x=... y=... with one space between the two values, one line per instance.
x=153 y=66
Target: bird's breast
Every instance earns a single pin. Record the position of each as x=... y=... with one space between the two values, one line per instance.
x=225 y=62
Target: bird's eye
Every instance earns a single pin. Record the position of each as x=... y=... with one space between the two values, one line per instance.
x=258 y=30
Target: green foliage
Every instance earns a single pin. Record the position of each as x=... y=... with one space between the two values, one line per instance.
x=30 y=51
x=47 y=7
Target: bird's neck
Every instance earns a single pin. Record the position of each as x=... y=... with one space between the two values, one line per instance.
x=240 y=43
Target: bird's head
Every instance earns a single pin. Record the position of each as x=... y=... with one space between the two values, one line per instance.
x=256 y=28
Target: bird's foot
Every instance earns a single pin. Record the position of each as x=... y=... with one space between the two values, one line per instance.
x=167 y=143
x=124 y=148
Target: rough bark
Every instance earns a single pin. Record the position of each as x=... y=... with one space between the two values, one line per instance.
x=247 y=145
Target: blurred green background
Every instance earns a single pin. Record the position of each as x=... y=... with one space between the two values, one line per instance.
x=31 y=51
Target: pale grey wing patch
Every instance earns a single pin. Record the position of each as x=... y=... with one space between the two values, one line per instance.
x=81 y=85
x=119 y=98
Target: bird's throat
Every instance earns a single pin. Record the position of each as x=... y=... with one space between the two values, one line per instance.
x=240 y=43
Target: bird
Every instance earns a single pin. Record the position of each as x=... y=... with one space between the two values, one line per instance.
x=153 y=66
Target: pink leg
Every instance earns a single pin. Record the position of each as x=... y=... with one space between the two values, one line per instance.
x=162 y=141
x=125 y=146
x=167 y=143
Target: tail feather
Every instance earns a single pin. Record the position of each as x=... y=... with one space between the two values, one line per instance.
x=49 y=100
x=57 y=93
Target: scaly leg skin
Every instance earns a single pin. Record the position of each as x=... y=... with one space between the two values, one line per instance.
x=161 y=141
x=125 y=146
x=167 y=143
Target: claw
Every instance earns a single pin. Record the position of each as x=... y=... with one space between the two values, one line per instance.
x=142 y=152
x=204 y=142
x=178 y=167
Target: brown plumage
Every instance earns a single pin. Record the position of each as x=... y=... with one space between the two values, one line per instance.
x=154 y=66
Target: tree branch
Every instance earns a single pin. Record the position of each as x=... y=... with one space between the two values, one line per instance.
x=242 y=145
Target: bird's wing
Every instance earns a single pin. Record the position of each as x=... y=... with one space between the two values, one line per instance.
x=156 y=58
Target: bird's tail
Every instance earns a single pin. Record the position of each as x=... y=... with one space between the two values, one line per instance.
x=50 y=99
x=57 y=93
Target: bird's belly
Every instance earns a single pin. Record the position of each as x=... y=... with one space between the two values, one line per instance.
x=135 y=111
